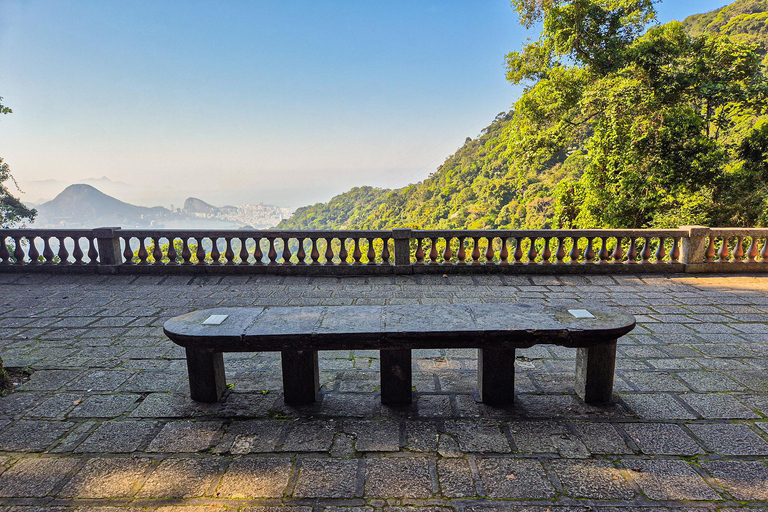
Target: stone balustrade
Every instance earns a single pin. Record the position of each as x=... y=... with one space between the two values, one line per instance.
x=398 y=251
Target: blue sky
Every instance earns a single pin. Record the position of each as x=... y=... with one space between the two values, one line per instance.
x=280 y=102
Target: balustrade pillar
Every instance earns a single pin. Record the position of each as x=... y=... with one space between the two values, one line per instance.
x=694 y=247
x=402 y=238
x=108 y=243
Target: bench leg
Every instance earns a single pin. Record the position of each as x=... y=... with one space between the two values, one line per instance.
x=496 y=375
x=301 y=377
x=206 y=375
x=594 y=372
x=396 y=382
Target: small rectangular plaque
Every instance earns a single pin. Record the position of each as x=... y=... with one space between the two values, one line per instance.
x=215 y=319
x=581 y=313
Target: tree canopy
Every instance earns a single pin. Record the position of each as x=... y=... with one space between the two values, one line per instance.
x=12 y=211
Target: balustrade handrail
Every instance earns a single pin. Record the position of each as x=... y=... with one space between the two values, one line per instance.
x=401 y=250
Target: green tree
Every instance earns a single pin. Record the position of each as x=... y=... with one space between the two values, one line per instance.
x=12 y=211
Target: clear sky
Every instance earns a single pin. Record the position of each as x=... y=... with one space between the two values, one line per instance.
x=283 y=102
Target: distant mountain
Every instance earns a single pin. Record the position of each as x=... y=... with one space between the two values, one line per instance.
x=85 y=206
x=195 y=205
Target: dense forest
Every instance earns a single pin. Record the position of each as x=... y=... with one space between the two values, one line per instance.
x=623 y=123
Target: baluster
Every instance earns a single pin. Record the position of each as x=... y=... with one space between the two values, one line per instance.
x=632 y=251
x=447 y=253
x=244 y=251
x=476 y=251
x=462 y=254
x=301 y=254
x=172 y=255
x=93 y=253
x=589 y=253
x=371 y=252
x=419 y=252
x=723 y=252
x=518 y=255
x=157 y=252
x=710 y=254
x=618 y=251
x=5 y=256
x=752 y=251
x=315 y=252
x=229 y=254
x=661 y=251
x=258 y=256
x=18 y=251
x=575 y=253
x=286 y=251
x=547 y=254
x=63 y=254
x=504 y=254
x=738 y=254
x=357 y=255
x=272 y=254
x=143 y=255
x=127 y=251
x=329 y=251
x=215 y=253
x=433 y=251
x=645 y=255
x=532 y=252
x=560 y=253
x=764 y=252
x=604 y=254
x=186 y=254
x=343 y=251
x=77 y=253
x=200 y=251
x=385 y=251
x=33 y=254
x=489 y=252
x=674 y=256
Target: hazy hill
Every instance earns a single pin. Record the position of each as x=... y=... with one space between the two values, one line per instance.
x=85 y=206
x=481 y=185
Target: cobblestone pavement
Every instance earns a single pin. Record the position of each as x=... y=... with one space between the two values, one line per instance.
x=105 y=420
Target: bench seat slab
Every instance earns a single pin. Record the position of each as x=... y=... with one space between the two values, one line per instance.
x=207 y=381
x=396 y=380
x=301 y=376
x=496 y=375
x=595 y=366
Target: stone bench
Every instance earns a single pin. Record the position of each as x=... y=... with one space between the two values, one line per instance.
x=495 y=329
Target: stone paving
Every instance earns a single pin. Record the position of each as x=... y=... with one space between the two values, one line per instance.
x=105 y=421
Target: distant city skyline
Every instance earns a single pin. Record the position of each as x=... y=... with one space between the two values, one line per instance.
x=285 y=103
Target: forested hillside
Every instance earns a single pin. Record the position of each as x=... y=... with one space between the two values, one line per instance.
x=620 y=125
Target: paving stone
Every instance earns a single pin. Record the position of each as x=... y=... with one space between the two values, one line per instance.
x=118 y=437
x=709 y=382
x=180 y=478
x=601 y=438
x=434 y=406
x=374 y=436
x=244 y=437
x=34 y=478
x=153 y=381
x=478 y=436
x=185 y=436
x=662 y=439
x=104 y=406
x=656 y=406
x=514 y=479
x=596 y=480
x=32 y=436
x=744 y=480
x=49 y=380
x=327 y=478
x=310 y=437
x=398 y=478
x=545 y=437
x=106 y=478
x=100 y=380
x=58 y=406
x=670 y=480
x=255 y=478
x=421 y=436
x=455 y=477
x=717 y=406
x=730 y=439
